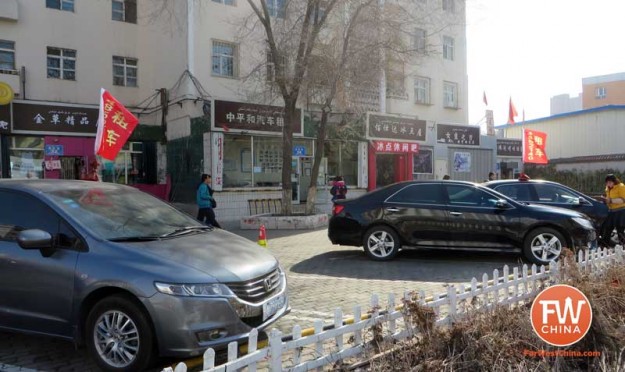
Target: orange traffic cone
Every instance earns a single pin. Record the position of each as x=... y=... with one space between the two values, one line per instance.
x=262 y=236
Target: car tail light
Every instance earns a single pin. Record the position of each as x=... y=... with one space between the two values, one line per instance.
x=337 y=209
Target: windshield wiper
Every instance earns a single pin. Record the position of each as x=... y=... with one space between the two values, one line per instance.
x=134 y=239
x=185 y=229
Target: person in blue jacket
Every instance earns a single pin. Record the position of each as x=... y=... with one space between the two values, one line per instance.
x=205 y=202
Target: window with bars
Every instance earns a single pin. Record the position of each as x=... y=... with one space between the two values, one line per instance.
x=67 y=5
x=7 y=55
x=422 y=90
x=449 y=6
x=600 y=93
x=61 y=63
x=277 y=8
x=124 y=10
x=420 y=40
x=450 y=94
x=448 y=48
x=125 y=71
x=224 y=59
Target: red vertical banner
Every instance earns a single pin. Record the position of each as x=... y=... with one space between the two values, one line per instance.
x=534 y=146
x=115 y=125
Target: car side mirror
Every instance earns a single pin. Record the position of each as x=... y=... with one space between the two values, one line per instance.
x=502 y=204
x=34 y=239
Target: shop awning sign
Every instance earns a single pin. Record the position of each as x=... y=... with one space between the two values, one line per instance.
x=395 y=128
x=509 y=147
x=396 y=147
x=458 y=134
x=5 y=118
x=42 y=117
x=248 y=117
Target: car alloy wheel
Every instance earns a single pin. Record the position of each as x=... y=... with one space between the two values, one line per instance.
x=544 y=245
x=381 y=243
x=119 y=335
x=116 y=339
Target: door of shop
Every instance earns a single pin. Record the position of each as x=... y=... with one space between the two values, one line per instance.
x=71 y=167
x=385 y=164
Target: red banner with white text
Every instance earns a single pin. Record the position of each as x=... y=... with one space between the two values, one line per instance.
x=396 y=147
x=115 y=125
x=534 y=147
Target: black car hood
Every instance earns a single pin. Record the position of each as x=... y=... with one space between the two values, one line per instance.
x=224 y=256
x=550 y=209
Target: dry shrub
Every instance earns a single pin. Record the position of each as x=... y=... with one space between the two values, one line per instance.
x=494 y=340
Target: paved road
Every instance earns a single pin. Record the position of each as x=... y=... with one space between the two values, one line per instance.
x=321 y=277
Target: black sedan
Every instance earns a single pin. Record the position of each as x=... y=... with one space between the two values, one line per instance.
x=552 y=194
x=455 y=215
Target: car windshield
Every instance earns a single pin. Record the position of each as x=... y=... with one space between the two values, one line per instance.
x=118 y=214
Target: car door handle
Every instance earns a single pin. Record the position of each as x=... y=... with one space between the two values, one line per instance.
x=456 y=214
x=392 y=210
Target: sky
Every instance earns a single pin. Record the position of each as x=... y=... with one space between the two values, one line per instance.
x=531 y=50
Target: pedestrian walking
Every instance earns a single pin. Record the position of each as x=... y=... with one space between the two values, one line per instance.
x=615 y=200
x=446 y=177
x=205 y=202
x=339 y=189
x=492 y=176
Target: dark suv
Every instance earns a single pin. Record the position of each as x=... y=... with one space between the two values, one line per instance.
x=455 y=215
x=552 y=194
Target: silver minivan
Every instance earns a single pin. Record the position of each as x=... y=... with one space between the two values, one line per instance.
x=126 y=275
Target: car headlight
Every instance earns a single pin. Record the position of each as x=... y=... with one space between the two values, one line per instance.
x=194 y=290
x=583 y=222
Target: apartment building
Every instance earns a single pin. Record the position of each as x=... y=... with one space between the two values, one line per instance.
x=56 y=55
x=603 y=90
x=185 y=68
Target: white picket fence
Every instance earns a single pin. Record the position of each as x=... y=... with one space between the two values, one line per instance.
x=349 y=337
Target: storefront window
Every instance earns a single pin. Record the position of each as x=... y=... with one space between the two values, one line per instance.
x=342 y=160
x=26 y=157
x=267 y=161
x=237 y=161
x=256 y=161
x=127 y=167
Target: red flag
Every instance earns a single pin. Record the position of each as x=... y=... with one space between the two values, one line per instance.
x=534 y=146
x=115 y=125
x=484 y=99
x=512 y=112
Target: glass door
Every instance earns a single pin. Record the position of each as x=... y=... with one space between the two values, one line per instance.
x=295 y=179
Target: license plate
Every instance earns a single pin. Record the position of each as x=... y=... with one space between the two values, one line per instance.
x=272 y=306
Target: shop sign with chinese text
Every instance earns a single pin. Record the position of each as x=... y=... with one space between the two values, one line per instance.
x=396 y=147
x=458 y=134
x=395 y=128
x=253 y=118
x=509 y=147
x=42 y=117
x=5 y=119
x=534 y=146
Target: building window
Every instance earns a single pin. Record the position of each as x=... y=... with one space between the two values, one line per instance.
x=342 y=161
x=128 y=167
x=124 y=10
x=61 y=63
x=7 y=55
x=227 y=2
x=224 y=59
x=255 y=161
x=67 y=5
x=449 y=6
x=26 y=157
x=277 y=8
x=601 y=93
x=450 y=95
x=125 y=71
x=422 y=90
x=448 y=48
x=420 y=40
